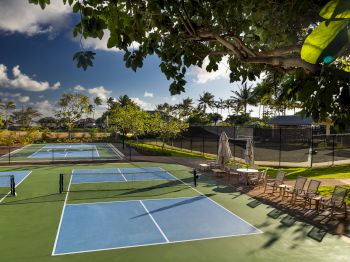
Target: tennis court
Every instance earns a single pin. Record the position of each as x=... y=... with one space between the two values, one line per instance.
x=63 y=152
x=66 y=151
x=116 y=220
x=97 y=226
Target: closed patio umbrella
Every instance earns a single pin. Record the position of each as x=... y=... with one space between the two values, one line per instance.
x=249 y=153
x=224 y=152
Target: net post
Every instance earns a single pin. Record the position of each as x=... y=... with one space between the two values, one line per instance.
x=195 y=177
x=13 y=186
x=61 y=184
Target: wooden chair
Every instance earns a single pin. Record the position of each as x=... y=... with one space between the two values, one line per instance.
x=296 y=190
x=310 y=193
x=259 y=179
x=336 y=203
x=275 y=183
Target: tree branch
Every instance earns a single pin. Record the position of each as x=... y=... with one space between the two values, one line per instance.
x=293 y=62
x=295 y=49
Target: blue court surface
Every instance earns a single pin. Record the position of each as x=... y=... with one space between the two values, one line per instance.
x=105 y=175
x=112 y=225
x=66 y=151
x=19 y=176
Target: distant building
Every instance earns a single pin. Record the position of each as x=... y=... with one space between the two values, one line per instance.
x=291 y=121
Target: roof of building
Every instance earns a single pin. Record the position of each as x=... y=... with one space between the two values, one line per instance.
x=291 y=121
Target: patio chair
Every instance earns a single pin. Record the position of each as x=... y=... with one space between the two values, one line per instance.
x=259 y=179
x=295 y=190
x=275 y=183
x=310 y=193
x=336 y=202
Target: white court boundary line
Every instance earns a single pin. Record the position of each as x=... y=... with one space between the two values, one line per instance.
x=161 y=243
x=212 y=200
x=120 y=172
x=61 y=218
x=152 y=244
x=154 y=221
x=2 y=199
x=116 y=151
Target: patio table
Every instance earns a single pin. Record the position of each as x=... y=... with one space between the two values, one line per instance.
x=246 y=172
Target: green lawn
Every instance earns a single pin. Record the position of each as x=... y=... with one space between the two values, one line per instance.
x=319 y=172
x=168 y=150
x=29 y=222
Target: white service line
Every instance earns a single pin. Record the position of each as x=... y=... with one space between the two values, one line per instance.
x=61 y=219
x=160 y=230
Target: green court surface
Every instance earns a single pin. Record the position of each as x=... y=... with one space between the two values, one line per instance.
x=29 y=221
x=62 y=152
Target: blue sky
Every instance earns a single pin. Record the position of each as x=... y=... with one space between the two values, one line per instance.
x=36 y=65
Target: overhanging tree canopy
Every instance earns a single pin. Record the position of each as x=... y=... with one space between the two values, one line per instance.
x=256 y=36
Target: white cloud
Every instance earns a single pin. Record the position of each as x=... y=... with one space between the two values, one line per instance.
x=144 y=105
x=148 y=94
x=79 y=88
x=22 y=81
x=100 y=91
x=202 y=76
x=23 y=99
x=22 y=17
x=44 y=107
x=14 y=96
x=101 y=44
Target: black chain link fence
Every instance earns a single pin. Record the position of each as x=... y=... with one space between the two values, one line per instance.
x=294 y=147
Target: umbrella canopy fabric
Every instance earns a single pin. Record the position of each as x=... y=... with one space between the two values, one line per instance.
x=249 y=153
x=224 y=152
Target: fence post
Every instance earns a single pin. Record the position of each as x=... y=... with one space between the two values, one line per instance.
x=9 y=155
x=129 y=152
x=191 y=144
x=333 y=150
x=280 y=149
x=311 y=148
x=203 y=145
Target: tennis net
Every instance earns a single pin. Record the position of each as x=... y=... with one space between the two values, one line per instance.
x=125 y=183
x=7 y=185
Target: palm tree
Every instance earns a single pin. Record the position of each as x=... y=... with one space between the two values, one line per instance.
x=185 y=107
x=8 y=106
x=220 y=104
x=25 y=116
x=125 y=100
x=110 y=102
x=97 y=102
x=244 y=97
x=229 y=103
x=206 y=100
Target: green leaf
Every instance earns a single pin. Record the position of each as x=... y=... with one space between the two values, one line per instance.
x=325 y=40
x=336 y=9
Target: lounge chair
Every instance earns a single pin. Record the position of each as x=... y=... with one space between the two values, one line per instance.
x=296 y=190
x=310 y=193
x=275 y=183
x=336 y=202
x=259 y=179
